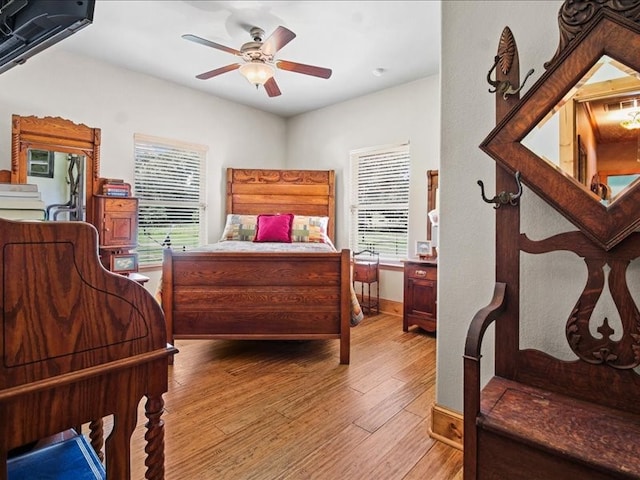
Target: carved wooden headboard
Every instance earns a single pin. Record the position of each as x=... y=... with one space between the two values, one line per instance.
x=301 y=192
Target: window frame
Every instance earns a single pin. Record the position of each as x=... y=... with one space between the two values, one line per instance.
x=146 y=240
x=399 y=211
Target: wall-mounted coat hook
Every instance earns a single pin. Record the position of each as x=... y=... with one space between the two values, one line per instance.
x=504 y=88
x=503 y=198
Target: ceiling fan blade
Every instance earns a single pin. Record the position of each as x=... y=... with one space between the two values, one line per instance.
x=278 y=39
x=208 y=43
x=302 y=68
x=218 y=71
x=272 y=87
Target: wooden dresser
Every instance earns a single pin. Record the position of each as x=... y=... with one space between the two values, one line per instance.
x=420 y=294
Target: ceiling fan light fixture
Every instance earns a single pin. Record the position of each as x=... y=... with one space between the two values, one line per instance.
x=258 y=65
x=257 y=72
x=632 y=123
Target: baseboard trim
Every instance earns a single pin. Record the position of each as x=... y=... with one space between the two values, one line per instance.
x=389 y=307
x=447 y=426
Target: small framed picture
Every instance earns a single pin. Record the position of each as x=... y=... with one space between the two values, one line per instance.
x=124 y=262
x=423 y=249
x=40 y=163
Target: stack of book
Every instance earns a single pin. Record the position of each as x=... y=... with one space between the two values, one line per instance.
x=114 y=187
x=21 y=202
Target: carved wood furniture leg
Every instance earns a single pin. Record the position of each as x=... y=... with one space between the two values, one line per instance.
x=154 y=436
x=118 y=446
x=96 y=435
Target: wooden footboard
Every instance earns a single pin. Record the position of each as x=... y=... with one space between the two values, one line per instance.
x=268 y=296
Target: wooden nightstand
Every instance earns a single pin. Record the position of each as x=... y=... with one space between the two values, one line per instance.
x=366 y=270
x=117 y=224
x=117 y=221
x=420 y=294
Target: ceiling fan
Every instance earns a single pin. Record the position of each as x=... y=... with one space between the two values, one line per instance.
x=259 y=61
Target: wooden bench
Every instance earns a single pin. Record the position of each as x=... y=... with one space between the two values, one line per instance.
x=555 y=433
x=544 y=418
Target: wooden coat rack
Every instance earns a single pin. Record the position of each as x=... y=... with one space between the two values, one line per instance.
x=541 y=417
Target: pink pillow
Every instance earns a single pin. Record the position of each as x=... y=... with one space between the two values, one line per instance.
x=274 y=228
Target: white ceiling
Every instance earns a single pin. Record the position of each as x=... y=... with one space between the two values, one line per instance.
x=353 y=38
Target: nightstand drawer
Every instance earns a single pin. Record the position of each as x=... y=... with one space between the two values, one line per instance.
x=365 y=272
x=421 y=272
x=116 y=204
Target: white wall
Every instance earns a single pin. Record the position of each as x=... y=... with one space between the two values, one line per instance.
x=121 y=103
x=471 y=32
x=323 y=139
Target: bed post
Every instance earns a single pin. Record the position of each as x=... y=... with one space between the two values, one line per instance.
x=331 y=206
x=345 y=306
x=229 y=201
x=167 y=293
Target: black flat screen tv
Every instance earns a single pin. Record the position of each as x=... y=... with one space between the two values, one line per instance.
x=29 y=26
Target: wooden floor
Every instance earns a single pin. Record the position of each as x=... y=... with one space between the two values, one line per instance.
x=288 y=410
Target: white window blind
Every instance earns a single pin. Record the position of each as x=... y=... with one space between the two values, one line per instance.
x=169 y=184
x=380 y=201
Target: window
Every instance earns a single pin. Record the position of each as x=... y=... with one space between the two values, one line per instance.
x=380 y=201
x=169 y=179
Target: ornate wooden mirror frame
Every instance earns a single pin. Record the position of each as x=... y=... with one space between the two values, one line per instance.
x=588 y=30
x=61 y=135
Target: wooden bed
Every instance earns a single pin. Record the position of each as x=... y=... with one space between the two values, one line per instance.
x=78 y=344
x=266 y=296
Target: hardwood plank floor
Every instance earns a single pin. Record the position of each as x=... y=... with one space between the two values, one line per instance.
x=274 y=410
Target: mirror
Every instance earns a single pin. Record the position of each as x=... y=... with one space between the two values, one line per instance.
x=62 y=158
x=593 y=133
x=433 y=212
x=60 y=179
x=578 y=170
